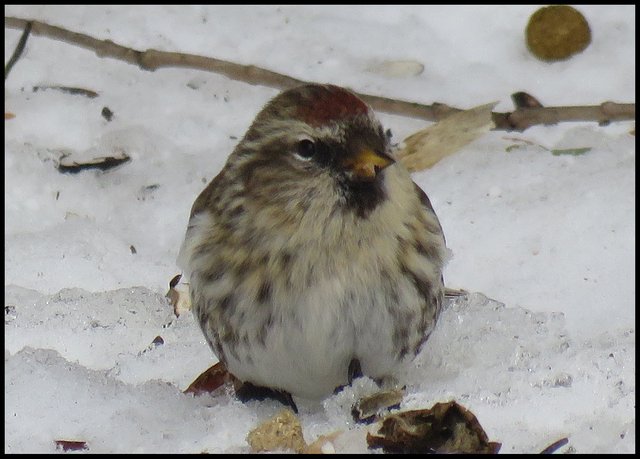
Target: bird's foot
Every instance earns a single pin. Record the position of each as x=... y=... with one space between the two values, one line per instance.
x=246 y=391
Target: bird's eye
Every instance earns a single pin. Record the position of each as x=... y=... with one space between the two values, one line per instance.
x=305 y=149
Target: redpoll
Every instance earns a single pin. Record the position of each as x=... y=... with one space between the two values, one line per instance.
x=313 y=254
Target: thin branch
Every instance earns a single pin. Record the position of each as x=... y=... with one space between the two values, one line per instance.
x=18 y=51
x=151 y=59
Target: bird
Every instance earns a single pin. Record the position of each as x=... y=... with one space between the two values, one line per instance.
x=312 y=257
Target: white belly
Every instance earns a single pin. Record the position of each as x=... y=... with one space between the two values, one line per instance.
x=313 y=338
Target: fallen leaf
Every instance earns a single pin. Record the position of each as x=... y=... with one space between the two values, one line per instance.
x=555 y=152
x=210 y=380
x=8 y=116
x=571 y=151
x=445 y=428
x=368 y=408
x=71 y=445
x=510 y=148
x=426 y=147
x=556 y=445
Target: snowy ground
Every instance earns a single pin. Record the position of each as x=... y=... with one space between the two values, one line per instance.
x=545 y=346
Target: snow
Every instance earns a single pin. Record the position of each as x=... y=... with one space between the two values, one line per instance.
x=543 y=348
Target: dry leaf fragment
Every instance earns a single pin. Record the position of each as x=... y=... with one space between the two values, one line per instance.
x=556 y=445
x=571 y=151
x=71 y=445
x=210 y=380
x=281 y=432
x=367 y=409
x=555 y=151
x=157 y=341
x=69 y=90
x=426 y=147
x=444 y=428
x=8 y=115
x=178 y=295
x=103 y=164
x=106 y=113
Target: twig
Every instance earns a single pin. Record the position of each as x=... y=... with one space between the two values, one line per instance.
x=555 y=446
x=151 y=59
x=18 y=51
x=103 y=164
x=69 y=90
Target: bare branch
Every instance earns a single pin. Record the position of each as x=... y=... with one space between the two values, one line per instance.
x=151 y=59
x=604 y=113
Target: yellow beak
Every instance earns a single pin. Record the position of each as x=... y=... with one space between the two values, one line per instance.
x=366 y=164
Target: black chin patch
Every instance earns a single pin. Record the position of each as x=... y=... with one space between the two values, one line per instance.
x=363 y=197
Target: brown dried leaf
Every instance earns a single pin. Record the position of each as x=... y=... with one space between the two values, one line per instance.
x=8 y=115
x=444 y=428
x=556 y=445
x=426 y=147
x=71 y=445
x=367 y=409
x=281 y=432
x=210 y=380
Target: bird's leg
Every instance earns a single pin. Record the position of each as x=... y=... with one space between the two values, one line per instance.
x=354 y=371
x=247 y=391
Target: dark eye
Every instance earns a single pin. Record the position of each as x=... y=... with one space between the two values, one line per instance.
x=306 y=149
x=388 y=134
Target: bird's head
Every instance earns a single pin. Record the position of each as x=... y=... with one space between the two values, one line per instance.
x=319 y=139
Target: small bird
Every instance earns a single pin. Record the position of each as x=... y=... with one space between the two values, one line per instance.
x=312 y=257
